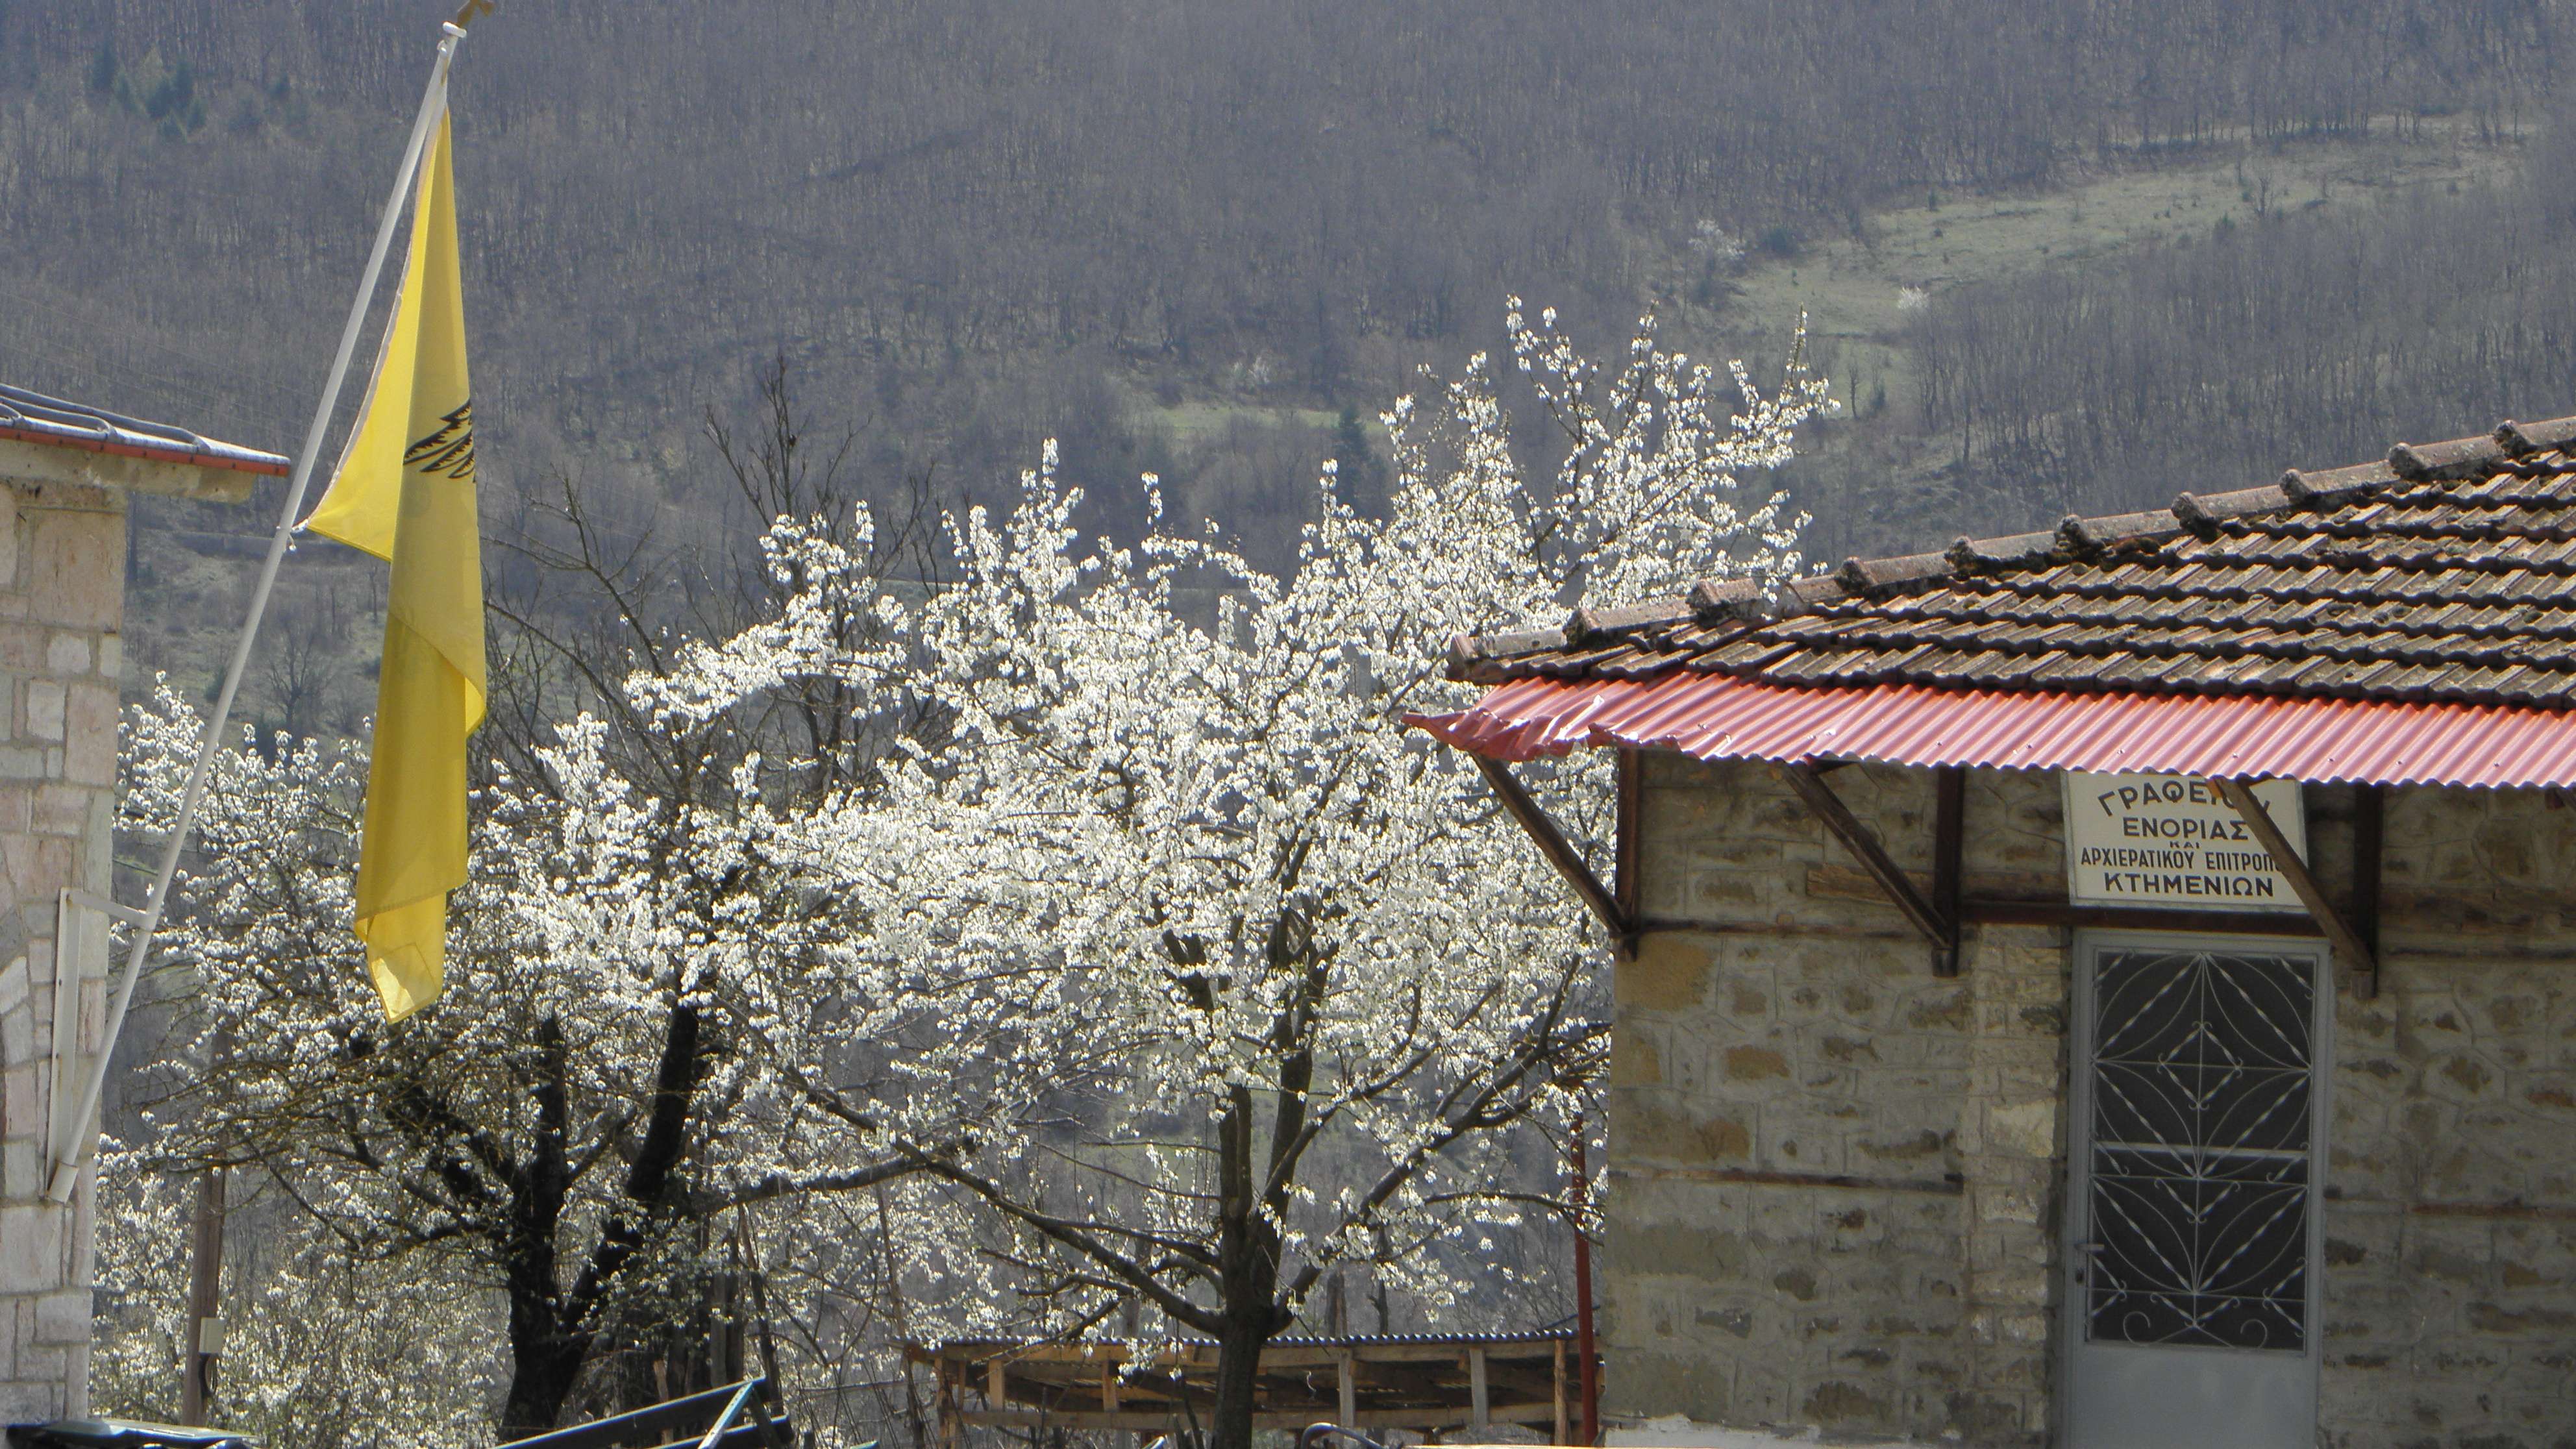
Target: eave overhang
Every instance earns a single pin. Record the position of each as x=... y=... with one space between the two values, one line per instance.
x=2320 y=740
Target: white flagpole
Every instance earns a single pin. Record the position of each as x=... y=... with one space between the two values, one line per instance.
x=77 y=1142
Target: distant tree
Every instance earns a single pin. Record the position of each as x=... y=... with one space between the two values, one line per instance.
x=1355 y=463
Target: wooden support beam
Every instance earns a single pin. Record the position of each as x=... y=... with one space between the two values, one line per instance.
x=204 y=1340
x=1406 y=1417
x=1627 y=879
x=1949 y=841
x=1480 y=1398
x=2369 y=841
x=1558 y=1384
x=1863 y=844
x=2360 y=966
x=1349 y=1385
x=2005 y=912
x=1552 y=843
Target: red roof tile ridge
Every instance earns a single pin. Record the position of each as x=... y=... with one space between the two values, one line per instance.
x=1715 y=603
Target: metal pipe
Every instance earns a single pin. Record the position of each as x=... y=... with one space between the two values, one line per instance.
x=1588 y=1363
x=724 y=1421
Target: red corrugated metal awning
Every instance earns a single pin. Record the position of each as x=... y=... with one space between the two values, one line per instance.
x=1712 y=717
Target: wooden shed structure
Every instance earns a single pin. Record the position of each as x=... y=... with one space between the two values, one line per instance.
x=1432 y=1384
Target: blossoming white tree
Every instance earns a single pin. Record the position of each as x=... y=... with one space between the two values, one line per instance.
x=1096 y=889
x=331 y=1351
x=1254 y=981
x=613 y=1062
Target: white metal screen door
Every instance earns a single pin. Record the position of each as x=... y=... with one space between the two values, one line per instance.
x=2192 y=1228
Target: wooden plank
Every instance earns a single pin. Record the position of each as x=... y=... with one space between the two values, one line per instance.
x=2362 y=969
x=1558 y=1384
x=1949 y=837
x=1435 y=1350
x=1480 y=1399
x=1027 y=1358
x=1552 y=843
x=1758 y=1177
x=1992 y=912
x=1627 y=876
x=1863 y=844
x=1391 y=1418
x=1071 y=1366
x=2369 y=849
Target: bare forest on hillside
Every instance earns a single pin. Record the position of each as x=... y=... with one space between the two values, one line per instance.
x=1213 y=241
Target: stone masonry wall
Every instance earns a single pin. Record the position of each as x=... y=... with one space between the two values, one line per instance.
x=2450 y=1236
x=1832 y=1192
x=62 y=580
x=1837 y=1182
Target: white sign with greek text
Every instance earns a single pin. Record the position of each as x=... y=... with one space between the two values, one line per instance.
x=2172 y=841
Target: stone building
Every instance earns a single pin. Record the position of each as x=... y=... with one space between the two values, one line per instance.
x=1997 y=1063
x=65 y=474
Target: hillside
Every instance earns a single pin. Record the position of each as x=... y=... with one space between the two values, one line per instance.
x=1182 y=238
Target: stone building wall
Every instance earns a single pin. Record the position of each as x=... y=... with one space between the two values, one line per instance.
x=2450 y=1239
x=1837 y=1182
x=62 y=579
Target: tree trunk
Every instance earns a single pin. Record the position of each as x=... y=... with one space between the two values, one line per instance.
x=543 y=1365
x=545 y=1355
x=1248 y=1281
x=1238 y=1375
x=553 y=1333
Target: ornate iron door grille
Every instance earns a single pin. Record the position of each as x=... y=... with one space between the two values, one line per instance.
x=2198 y=1199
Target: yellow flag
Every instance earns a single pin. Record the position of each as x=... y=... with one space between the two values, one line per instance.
x=405 y=492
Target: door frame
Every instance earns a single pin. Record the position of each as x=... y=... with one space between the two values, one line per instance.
x=2073 y=1226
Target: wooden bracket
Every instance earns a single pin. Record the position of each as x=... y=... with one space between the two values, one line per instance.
x=1559 y=851
x=1627 y=878
x=1810 y=784
x=1949 y=836
x=2369 y=832
x=2361 y=964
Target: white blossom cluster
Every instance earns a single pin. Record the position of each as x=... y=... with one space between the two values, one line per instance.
x=324 y=1350
x=1187 y=897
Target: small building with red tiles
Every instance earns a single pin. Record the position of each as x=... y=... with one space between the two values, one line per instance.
x=2107 y=986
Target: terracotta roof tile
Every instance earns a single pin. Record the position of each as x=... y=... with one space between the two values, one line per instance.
x=2446 y=572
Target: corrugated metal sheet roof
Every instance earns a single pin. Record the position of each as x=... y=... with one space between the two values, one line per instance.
x=1714 y=717
x=1354 y=1340
x=33 y=417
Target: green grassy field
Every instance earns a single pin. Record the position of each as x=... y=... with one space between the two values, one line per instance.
x=1856 y=292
